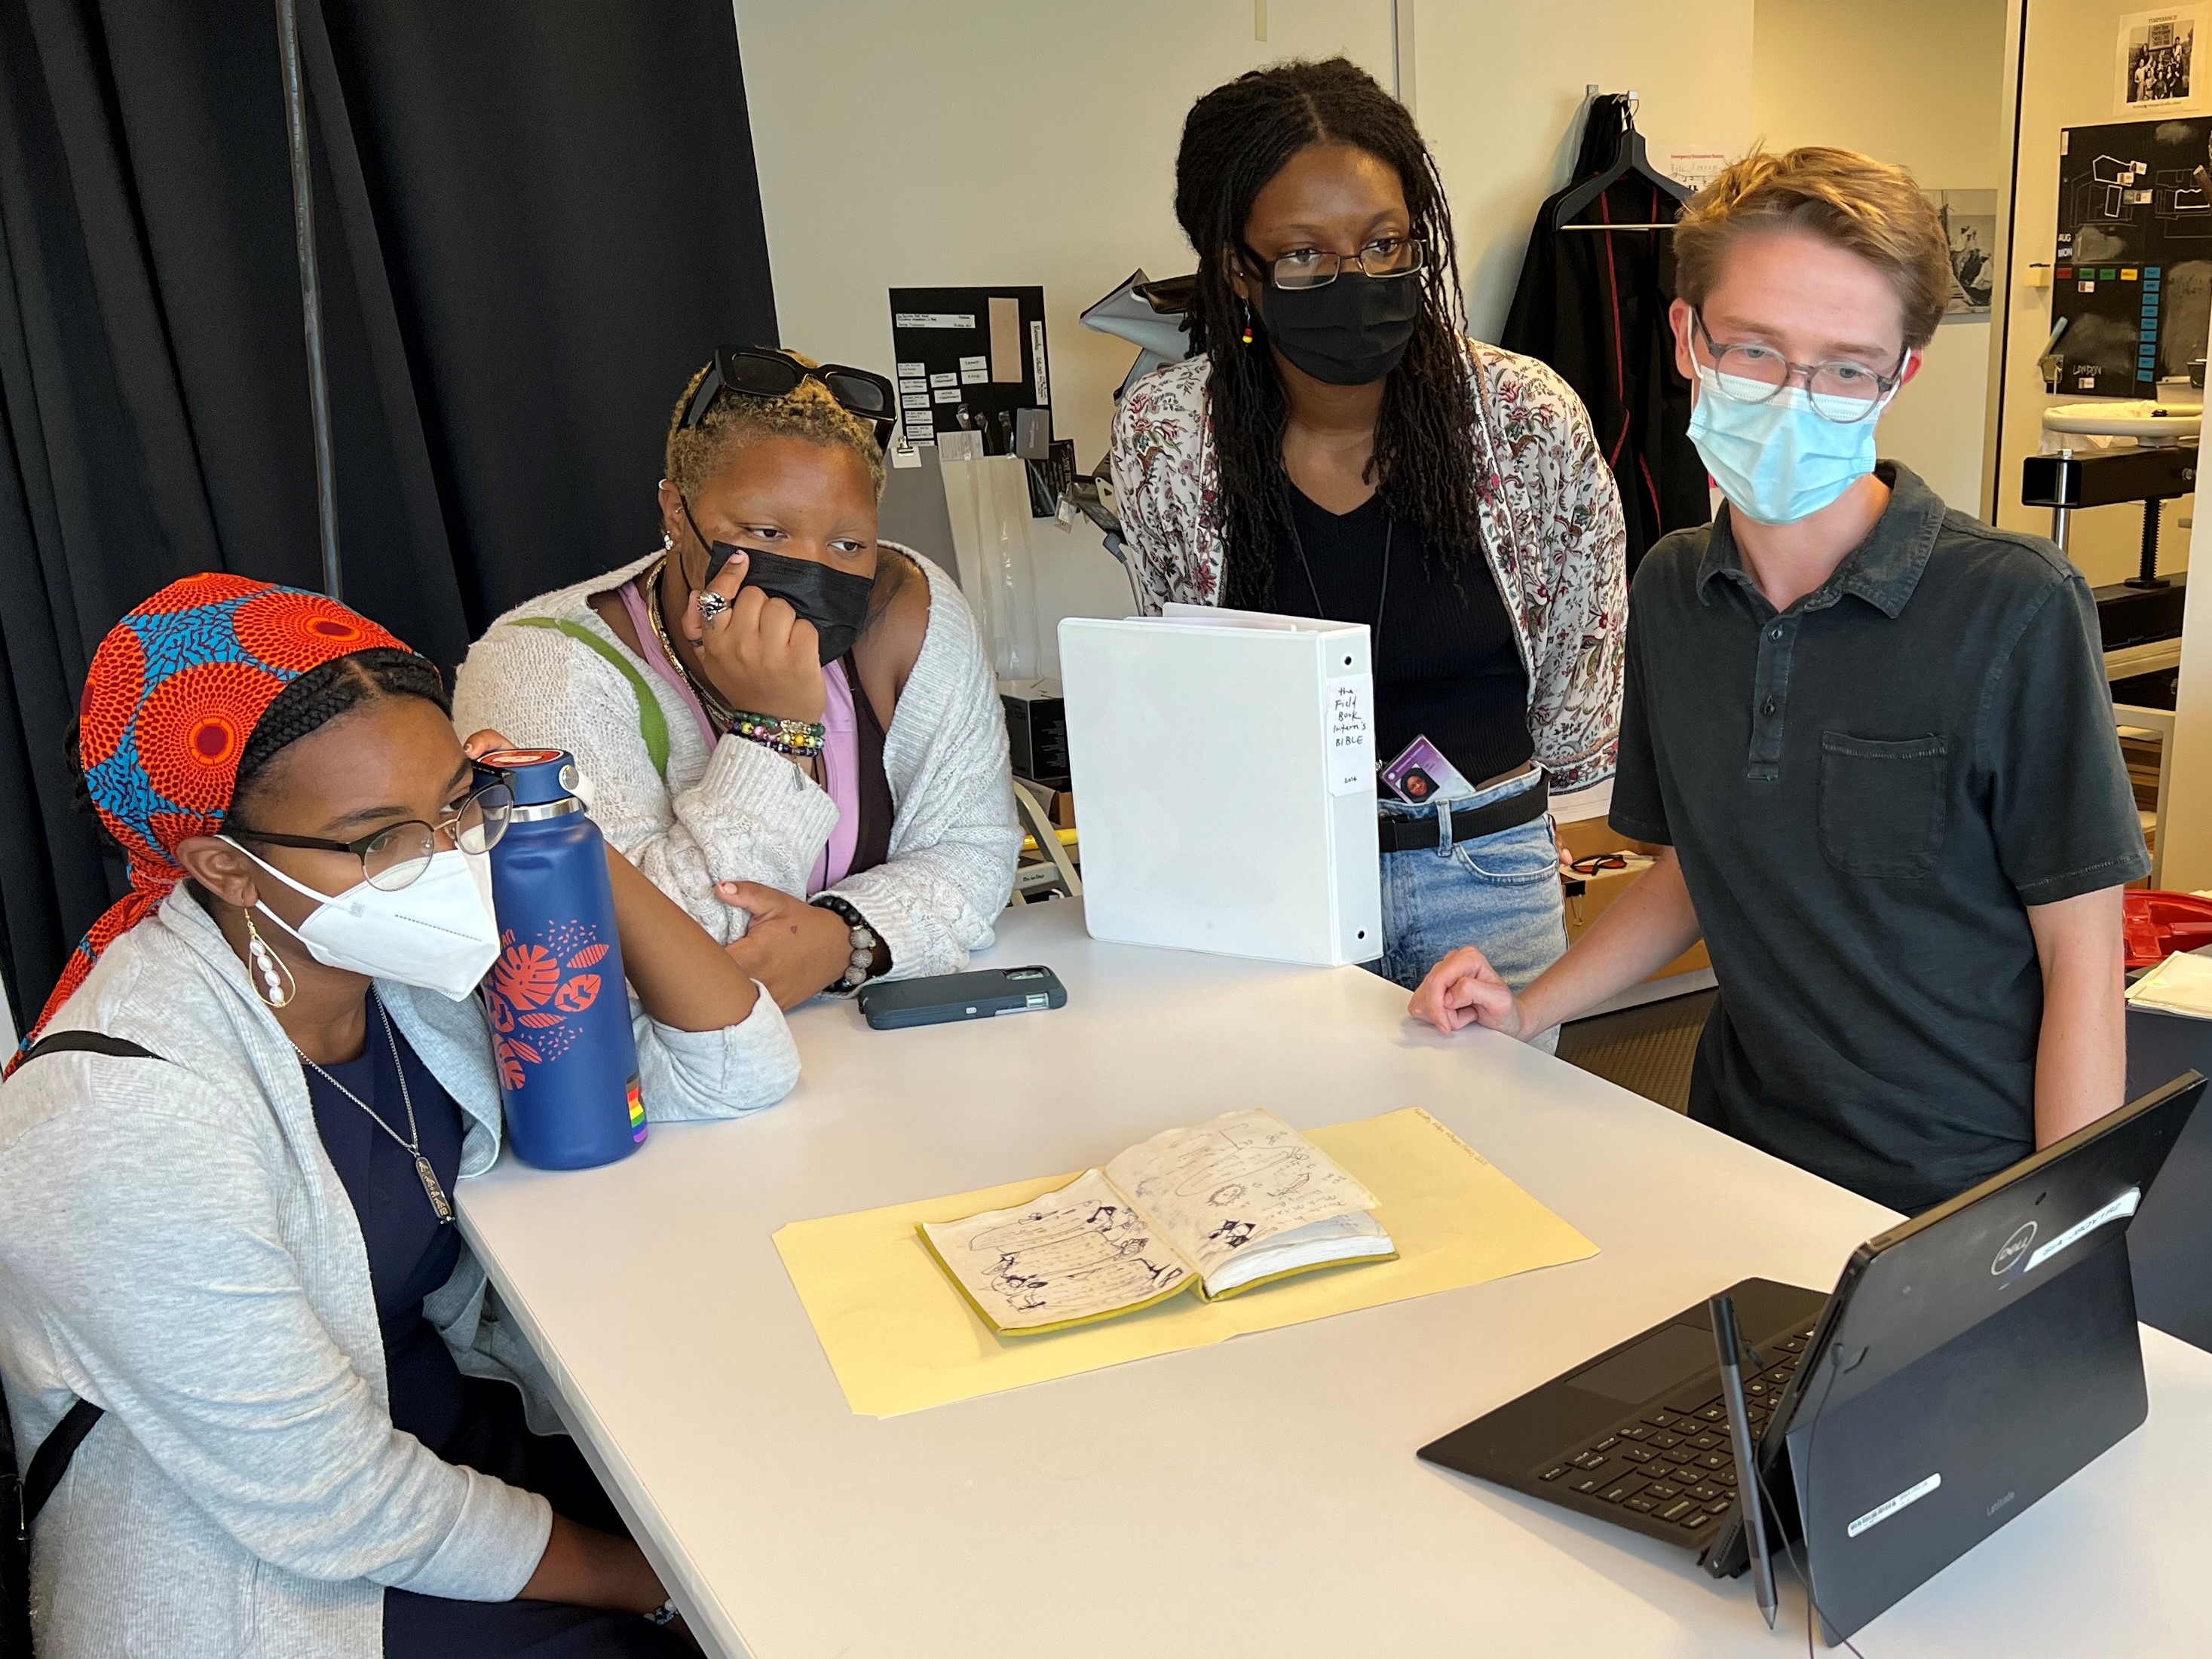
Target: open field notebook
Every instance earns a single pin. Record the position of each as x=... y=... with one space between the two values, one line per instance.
x=1238 y=1201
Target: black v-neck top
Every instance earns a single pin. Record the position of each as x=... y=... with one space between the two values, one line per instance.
x=412 y=1253
x=1447 y=666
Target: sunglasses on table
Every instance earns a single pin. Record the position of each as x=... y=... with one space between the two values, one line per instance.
x=394 y=857
x=764 y=372
x=1597 y=862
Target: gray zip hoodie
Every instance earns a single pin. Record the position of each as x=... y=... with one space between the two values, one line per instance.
x=176 y=1248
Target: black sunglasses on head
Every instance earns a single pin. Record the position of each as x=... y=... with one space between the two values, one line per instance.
x=765 y=372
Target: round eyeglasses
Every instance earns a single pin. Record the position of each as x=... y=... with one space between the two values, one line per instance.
x=1386 y=256
x=395 y=856
x=1841 y=391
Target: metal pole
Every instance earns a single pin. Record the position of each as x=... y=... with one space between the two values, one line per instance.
x=311 y=297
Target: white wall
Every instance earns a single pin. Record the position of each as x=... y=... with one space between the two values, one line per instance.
x=2067 y=80
x=1499 y=90
x=1034 y=141
x=1921 y=83
x=915 y=142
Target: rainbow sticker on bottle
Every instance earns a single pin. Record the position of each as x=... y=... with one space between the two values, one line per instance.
x=636 y=1113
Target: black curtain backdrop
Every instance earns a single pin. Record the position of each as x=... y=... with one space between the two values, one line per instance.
x=533 y=221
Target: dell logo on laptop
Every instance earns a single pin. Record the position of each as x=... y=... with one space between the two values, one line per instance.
x=2014 y=1248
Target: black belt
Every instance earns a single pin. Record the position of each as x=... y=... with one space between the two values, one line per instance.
x=1470 y=823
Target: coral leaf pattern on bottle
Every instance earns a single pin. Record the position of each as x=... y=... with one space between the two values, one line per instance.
x=537 y=986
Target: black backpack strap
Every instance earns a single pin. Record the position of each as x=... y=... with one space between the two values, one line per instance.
x=88 y=1043
x=52 y=1461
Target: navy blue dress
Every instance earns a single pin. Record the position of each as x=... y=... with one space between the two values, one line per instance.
x=464 y=1419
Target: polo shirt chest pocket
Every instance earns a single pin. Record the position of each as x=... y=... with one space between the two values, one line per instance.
x=1883 y=804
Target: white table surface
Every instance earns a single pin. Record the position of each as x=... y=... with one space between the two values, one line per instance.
x=1260 y=1496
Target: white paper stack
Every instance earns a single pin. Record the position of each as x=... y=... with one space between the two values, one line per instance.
x=2182 y=984
x=1223 y=768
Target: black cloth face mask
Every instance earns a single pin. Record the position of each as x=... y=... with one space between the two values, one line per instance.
x=1351 y=332
x=834 y=601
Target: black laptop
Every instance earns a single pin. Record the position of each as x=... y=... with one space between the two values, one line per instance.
x=1887 y=1415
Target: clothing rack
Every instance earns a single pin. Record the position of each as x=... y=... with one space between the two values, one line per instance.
x=1631 y=158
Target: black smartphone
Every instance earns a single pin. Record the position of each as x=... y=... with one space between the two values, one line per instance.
x=888 y=1005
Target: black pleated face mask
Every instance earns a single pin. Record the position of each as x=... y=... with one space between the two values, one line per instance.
x=1351 y=332
x=834 y=601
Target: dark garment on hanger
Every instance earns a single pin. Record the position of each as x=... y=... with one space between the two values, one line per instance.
x=873 y=845
x=1593 y=305
x=1447 y=664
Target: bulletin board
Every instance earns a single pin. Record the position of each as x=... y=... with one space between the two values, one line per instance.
x=2132 y=275
x=979 y=349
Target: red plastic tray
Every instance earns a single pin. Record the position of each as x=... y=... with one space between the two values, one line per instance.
x=2158 y=924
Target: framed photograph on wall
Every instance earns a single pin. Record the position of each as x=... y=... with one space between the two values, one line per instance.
x=1970 y=226
x=2158 y=64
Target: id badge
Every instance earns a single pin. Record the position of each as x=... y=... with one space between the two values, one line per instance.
x=1421 y=775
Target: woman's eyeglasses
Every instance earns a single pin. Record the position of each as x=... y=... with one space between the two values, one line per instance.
x=1386 y=256
x=394 y=857
x=764 y=372
x=1841 y=392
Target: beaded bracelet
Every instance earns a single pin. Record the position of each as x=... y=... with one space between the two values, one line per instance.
x=800 y=739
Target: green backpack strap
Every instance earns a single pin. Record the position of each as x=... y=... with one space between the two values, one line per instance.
x=651 y=724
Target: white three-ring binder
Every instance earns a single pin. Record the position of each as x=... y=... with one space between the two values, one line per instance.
x=1224 y=767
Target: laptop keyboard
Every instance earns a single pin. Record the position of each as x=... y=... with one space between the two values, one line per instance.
x=1672 y=1462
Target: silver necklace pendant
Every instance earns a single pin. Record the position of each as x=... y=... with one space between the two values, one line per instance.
x=439 y=1202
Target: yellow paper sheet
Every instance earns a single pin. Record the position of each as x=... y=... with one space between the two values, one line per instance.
x=901 y=1339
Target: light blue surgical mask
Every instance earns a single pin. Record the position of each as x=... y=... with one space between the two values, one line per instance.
x=1779 y=460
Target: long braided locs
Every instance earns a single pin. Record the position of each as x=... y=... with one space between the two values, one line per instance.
x=1236 y=139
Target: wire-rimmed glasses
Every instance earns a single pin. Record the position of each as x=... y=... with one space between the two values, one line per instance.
x=1842 y=390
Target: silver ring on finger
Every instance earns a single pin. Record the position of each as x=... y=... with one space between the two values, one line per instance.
x=712 y=605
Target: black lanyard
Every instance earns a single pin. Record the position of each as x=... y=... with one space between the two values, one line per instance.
x=1381 y=597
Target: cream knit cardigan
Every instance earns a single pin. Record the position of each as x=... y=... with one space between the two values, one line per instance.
x=740 y=813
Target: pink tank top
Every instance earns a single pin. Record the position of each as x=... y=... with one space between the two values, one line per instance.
x=841 y=757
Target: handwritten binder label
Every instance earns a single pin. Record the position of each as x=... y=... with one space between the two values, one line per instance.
x=1347 y=718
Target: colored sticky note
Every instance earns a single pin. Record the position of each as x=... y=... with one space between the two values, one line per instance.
x=2127 y=273
x=2108 y=273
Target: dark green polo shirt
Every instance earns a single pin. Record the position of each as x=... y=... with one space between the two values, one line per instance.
x=1866 y=792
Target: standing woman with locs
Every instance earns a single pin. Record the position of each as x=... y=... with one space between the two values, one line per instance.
x=1336 y=446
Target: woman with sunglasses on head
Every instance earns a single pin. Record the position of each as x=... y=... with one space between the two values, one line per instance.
x=788 y=724
x=1336 y=446
x=226 y=1201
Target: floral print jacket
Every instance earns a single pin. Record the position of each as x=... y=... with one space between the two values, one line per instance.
x=1551 y=530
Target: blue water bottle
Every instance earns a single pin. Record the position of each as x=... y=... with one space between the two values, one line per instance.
x=559 y=1008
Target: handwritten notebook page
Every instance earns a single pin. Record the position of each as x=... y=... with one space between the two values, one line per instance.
x=1235 y=1181
x=1070 y=1255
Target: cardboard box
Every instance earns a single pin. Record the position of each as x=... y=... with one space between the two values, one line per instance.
x=1600 y=891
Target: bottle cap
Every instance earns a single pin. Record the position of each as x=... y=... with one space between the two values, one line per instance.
x=538 y=776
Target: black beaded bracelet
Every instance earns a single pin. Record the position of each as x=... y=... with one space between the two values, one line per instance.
x=867 y=947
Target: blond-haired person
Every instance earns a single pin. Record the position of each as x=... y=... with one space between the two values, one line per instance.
x=1872 y=736
x=787 y=724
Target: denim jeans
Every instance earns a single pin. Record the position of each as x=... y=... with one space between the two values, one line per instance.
x=1500 y=894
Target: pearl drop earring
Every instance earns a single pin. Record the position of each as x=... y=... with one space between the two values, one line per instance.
x=667 y=542
x=277 y=987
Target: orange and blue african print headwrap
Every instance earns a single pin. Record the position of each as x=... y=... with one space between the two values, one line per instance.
x=175 y=691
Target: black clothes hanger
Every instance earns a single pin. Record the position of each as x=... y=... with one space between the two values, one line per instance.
x=1615 y=112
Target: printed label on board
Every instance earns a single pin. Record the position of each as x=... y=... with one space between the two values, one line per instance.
x=978 y=361
x=1881 y=1512
x=906 y=369
x=1036 y=362
x=944 y=379
x=933 y=319
x=2124 y=1205
x=1347 y=718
